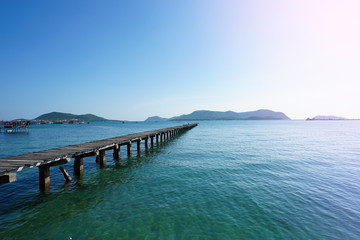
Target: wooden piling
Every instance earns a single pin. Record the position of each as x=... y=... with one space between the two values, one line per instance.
x=44 y=177
x=138 y=144
x=66 y=175
x=152 y=141
x=102 y=159
x=146 y=143
x=78 y=166
x=44 y=173
x=116 y=153
x=129 y=148
x=8 y=178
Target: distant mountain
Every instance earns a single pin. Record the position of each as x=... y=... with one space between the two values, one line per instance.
x=319 y=117
x=230 y=115
x=156 y=119
x=58 y=116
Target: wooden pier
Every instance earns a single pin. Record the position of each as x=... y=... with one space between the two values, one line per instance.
x=58 y=156
x=19 y=126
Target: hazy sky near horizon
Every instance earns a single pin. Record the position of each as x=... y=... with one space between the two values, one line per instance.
x=134 y=59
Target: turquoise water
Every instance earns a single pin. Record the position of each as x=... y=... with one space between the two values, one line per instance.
x=220 y=180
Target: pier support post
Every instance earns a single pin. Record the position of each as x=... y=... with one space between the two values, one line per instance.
x=146 y=143
x=157 y=138
x=152 y=141
x=7 y=178
x=44 y=173
x=116 y=153
x=129 y=149
x=44 y=178
x=66 y=175
x=138 y=146
x=102 y=158
x=78 y=167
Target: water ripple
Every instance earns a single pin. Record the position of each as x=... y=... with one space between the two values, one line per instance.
x=221 y=180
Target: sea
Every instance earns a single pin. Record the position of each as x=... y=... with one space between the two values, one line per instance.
x=219 y=180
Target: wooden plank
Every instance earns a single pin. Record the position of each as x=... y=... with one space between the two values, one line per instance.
x=17 y=163
x=7 y=168
x=108 y=147
x=85 y=154
x=55 y=163
x=31 y=156
x=18 y=160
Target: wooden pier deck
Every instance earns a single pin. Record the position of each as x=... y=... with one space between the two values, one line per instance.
x=57 y=156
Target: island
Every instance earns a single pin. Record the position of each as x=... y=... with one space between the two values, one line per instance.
x=62 y=118
x=262 y=114
x=323 y=118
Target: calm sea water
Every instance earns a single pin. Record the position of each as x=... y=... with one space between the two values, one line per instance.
x=220 y=180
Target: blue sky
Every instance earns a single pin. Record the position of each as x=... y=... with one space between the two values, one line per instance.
x=135 y=59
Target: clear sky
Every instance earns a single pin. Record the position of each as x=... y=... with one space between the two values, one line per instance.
x=134 y=59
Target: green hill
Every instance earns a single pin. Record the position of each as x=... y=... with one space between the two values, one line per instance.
x=156 y=119
x=261 y=114
x=58 y=116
